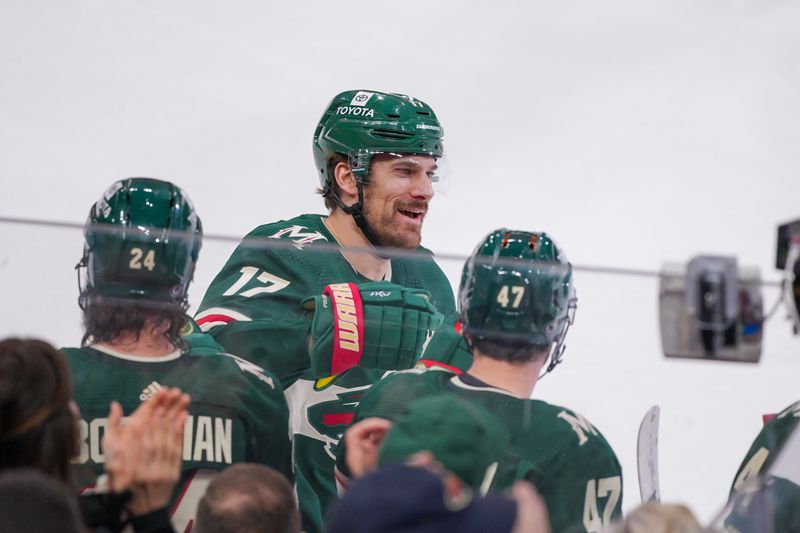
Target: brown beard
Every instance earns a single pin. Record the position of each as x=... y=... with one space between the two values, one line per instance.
x=385 y=231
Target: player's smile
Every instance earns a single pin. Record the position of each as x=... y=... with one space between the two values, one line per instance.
x=413 y=214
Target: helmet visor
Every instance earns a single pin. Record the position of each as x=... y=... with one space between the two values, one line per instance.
x=430 y=166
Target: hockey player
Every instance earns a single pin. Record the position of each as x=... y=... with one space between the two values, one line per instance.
x=142 y=239
x=378 y=157
x=763 y=450
x=516 y=302
x=779 y=501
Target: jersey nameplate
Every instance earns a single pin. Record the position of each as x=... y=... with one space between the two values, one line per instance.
x=205 y=438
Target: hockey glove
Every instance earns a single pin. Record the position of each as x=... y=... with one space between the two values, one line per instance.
x=372 y=325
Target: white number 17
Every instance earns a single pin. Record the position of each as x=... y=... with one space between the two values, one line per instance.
x=272 y=283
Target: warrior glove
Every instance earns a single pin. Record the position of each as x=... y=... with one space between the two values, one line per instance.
x=373 y=325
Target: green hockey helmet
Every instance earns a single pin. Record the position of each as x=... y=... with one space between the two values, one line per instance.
x=517 y=287
x=361 y=124
x=142 y=240
x=357 y=125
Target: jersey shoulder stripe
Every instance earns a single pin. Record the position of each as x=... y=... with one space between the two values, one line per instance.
x=218 y=316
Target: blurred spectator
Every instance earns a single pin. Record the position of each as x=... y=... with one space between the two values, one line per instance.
x=653 y=517
x=38 y=423
x=417 y=499
x=248 y=498
x=32 y=502
x=39 y=429
x=465 y=438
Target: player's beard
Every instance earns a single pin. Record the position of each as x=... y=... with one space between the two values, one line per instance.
x=392 y=229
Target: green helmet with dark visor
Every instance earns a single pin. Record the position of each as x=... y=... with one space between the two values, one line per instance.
x=142 y=240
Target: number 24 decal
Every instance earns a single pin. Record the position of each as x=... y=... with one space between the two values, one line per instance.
x=272 y=283
x=136 y=262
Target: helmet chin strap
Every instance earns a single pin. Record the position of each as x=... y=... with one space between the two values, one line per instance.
x=556 y=356
x=83 y=297
x=357 y=212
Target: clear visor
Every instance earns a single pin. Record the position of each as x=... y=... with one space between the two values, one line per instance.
x=436 y=169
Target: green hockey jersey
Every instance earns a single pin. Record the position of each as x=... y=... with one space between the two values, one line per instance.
x=563 y=454
x=763 y=450
x=238 y=412
x=253 y=308
x=779 y=500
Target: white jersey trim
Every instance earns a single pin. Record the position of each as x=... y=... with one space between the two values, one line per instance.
x=456 y=380
x=137 y=358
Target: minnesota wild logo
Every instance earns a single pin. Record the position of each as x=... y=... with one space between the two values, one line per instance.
x=331 y=418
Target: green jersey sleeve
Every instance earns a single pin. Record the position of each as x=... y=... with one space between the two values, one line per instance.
x=763 y=450
x=252 y=307
x=776 y=498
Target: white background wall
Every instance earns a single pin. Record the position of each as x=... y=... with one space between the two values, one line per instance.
x=635 y=132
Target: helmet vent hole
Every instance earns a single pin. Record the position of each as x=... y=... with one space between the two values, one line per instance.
x=391 y=134
x=393 y=115
x=423 y=113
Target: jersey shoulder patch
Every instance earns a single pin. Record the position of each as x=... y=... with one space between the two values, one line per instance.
x=301 y=230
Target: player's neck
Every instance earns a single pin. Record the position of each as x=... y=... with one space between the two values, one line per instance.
x=517 y=378
x=348 y=234
x=150 y=342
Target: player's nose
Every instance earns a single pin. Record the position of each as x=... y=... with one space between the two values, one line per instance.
x=421 y=186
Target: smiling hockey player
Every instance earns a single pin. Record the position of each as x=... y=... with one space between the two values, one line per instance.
x=378 y=157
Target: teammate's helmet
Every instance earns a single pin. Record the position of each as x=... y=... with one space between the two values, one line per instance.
x=517 y=287
x=360 y=124
x=142 y=239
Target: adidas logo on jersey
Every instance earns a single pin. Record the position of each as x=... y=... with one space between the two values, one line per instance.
x=150 y=391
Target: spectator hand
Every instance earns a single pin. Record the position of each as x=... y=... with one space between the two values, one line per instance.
x=362 y=441
x=144 y=454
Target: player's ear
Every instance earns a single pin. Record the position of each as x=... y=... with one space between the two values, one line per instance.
x=345 y=180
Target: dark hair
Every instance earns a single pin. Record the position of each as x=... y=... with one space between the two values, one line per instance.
x=105 y=321
x=248 y=498
x=332 y=189
x=31 y=502
x=38 y=428
x=511 y=352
